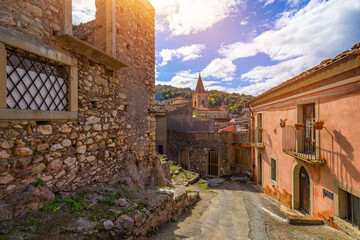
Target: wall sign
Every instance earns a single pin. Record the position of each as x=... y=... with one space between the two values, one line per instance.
x=328 y=194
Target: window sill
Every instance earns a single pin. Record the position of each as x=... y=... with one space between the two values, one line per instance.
x=72 y=43
x=15 y=114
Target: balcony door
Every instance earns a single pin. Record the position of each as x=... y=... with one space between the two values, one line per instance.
x=308 y=132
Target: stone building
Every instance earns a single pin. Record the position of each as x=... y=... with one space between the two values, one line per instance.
x=298 y=161
x=75 y=109
x=201 y=104
x=179 y=101
x=195 y=145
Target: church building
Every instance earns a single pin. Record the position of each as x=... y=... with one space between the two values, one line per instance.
x=201 y=104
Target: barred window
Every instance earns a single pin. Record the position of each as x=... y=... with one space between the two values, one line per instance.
x=35 y=83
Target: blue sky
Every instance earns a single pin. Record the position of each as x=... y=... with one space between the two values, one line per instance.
x=245 y=46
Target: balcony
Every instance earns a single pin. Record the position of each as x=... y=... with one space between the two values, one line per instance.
x=257 y=138
x=301 y=144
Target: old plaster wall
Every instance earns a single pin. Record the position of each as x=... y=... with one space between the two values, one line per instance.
x=198 y=146
x=338 y=142
x=113 y=138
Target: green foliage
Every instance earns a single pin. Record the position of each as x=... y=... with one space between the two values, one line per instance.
x=107 y=201
x=75 y=203
x=188 y=191
x=39 y=183
x=171 y=92
x=234 y=101
x=203 y=186
x=155 y=230
x=200 y=115
x=3 y=236
x=174 y=220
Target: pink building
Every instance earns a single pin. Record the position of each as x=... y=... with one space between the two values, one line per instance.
x=316 y=171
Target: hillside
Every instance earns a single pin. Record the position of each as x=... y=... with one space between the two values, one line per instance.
x=234 y=100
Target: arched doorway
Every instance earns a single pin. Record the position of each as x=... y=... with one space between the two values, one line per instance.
x=184 y=159
x=304 y=190
x=213 y=163
x=259 y=178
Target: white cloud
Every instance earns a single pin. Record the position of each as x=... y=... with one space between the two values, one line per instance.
x=244 y=22
x=220 y=68
x=184 y=53
x=184 y=17
x=83 y=11
x=267 y=2
x=299 y=41
x=219 y=88
x=186 y=79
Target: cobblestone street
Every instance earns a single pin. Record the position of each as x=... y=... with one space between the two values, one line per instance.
x=238 y=211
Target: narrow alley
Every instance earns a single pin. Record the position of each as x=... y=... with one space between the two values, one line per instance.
x=236 y=210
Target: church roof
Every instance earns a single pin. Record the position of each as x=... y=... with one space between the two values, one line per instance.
x=200 y=86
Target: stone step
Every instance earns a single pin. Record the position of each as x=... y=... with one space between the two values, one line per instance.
x=305 y=220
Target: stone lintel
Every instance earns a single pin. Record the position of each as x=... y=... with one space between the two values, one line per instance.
x=94 y=54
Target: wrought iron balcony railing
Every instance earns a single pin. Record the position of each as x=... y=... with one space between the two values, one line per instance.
x=301 y=144
x=257 y=137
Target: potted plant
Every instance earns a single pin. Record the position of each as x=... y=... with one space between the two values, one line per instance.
x=299 y=126
x=283 y=122
x=319 y=125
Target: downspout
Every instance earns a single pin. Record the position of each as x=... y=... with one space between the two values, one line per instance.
x=252 y=152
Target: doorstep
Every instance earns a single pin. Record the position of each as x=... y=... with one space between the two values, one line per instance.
x=305 y=220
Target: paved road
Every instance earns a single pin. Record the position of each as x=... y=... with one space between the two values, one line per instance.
x=237 y=211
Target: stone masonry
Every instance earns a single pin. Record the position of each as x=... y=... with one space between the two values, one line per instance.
x=113 y=138
x=198 y=145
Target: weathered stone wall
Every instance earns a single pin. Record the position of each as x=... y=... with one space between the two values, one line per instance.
x=85 y=32
x=41 y=19
x=114 y=136
x=198 y=146
x=182 y=120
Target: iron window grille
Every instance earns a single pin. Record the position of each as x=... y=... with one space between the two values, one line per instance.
x=35 y=83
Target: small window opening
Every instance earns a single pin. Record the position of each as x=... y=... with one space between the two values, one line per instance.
x=42 y=122
x=273 y=170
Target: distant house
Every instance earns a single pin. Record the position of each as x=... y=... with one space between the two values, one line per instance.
x=316 y=171
x=200 y=104
x=179 y=100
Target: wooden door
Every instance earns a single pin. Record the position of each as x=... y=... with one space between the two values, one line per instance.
x=309 y=129
x=213 y=163
x=304 y=191
x=184 y=159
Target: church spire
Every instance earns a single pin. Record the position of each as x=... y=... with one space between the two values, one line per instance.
x=200 y=86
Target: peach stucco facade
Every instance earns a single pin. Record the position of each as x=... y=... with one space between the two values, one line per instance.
x=333 y=88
